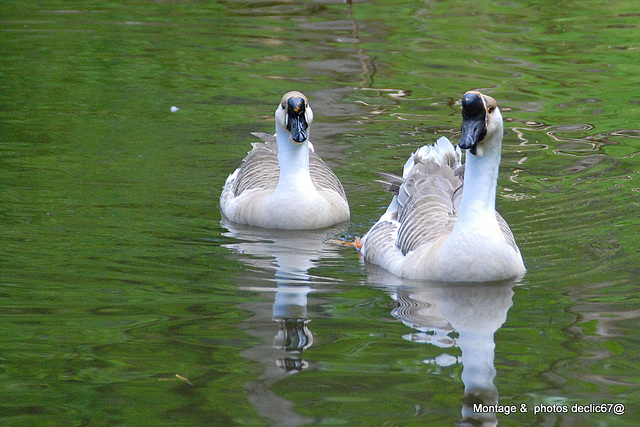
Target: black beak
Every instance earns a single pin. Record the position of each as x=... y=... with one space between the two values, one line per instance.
x=474 y=121
x=296 y=120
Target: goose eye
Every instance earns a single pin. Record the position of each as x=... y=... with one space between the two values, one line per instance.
x=490 y=109
x=283 y=107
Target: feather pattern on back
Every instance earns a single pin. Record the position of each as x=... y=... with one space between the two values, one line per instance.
x=426 y=197
x=430 y=194
x=260 y=169
x=426 y=194
x=425 y=206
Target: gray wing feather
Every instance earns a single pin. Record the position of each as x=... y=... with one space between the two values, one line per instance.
x=260 y=169
x=390 y=182
x=269 y=138
x=427 y=201
x=427 y=209
x=381 y=241
x=506 y=232
x=323 y=177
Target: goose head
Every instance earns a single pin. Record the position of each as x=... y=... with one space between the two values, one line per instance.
x=294 y=115
x=481 y=122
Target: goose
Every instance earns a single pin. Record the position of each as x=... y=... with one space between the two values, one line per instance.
x=436 y=228
x=282 y=183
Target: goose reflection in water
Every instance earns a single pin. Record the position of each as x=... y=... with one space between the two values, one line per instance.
x=289 y=255
x=437 y=311
x=290 y=312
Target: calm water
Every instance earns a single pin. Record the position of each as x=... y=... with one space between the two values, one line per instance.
x=125 y=301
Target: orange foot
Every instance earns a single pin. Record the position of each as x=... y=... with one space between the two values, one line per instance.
x=355 y=244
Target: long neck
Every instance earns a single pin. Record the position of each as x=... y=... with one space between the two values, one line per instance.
x=294 y=163
x=480 y=180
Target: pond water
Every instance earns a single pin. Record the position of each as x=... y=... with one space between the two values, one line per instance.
x=126 y=301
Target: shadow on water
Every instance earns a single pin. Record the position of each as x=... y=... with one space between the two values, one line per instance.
x=449 y=315
x=281 y=326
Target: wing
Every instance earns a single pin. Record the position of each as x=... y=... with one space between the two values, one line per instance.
x=260 y=169
x=323 y=177
x=428 y=201
x=506 y=232
x=379 y=244
x=428 y=204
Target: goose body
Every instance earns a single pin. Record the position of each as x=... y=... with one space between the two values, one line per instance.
x=442 y=224
x=282 y=183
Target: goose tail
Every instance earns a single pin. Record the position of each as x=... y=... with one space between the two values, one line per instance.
x=442 y=152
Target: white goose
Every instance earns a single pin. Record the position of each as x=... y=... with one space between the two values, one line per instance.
x=282 y=183
x=434 y=231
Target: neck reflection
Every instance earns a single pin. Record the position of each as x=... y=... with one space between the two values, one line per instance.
x=466 y=316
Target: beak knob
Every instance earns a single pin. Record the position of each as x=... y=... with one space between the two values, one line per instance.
x=474 y=121
x=296 y=120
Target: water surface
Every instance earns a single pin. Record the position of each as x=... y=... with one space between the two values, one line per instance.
x=125 y=300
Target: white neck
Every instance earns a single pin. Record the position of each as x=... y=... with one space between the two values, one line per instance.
x=294 y=164
x=478 y=370
x=480 y=179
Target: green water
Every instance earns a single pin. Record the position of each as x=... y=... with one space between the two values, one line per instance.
x=125 y=301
